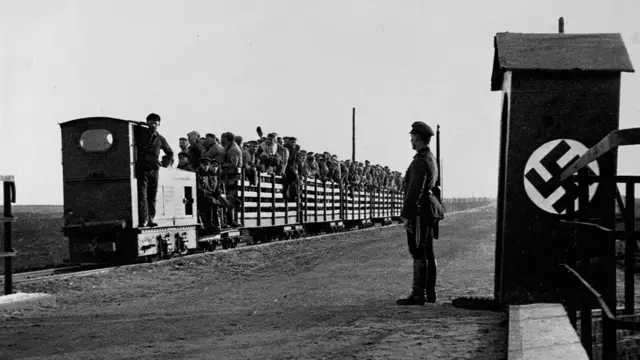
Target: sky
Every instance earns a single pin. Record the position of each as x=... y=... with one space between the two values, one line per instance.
x=293 y=67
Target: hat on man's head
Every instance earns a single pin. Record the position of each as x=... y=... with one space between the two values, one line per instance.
x=419 y=127
x=194 y=134
x=205 y=160
x=215 y=162
x=153 y=117
x=272 y=136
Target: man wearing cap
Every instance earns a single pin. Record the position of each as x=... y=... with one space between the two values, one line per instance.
x=183 y=162
x=232 y=162
x=195 y=152
x=310 y=166
x=269 y=155
x=249 y=162
x=208 y=192
x=420 y=178
x=291 y=179
x=148 y=146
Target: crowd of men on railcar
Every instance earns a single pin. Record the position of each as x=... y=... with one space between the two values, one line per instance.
x=216 y=162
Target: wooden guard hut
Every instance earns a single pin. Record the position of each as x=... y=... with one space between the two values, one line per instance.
x=561 y=95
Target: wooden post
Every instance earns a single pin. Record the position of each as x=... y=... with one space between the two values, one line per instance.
x=561 y=25
x=353 y=139
x=242 y=178
x=9 y=188
x=273 y=199
x=315 y=200
x=306 y=201
x=259 y=193
x=629 y=259
x=324 y=187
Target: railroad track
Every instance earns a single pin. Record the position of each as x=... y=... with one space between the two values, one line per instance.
x=93 y=269
x=54 y=273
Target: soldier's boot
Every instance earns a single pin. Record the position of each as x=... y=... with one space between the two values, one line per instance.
x=419 y=279
x=215 y=223
x=230 y=219
x=430 y=282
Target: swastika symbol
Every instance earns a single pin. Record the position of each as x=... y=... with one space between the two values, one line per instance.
x=542 y=172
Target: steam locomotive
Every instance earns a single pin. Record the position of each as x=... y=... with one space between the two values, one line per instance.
x=100 y=202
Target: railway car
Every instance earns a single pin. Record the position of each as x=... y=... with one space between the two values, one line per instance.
x=100 y=202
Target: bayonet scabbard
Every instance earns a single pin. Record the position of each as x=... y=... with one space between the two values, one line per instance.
x=417 y=231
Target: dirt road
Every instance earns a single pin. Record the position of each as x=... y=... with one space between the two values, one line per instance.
x=327 y=298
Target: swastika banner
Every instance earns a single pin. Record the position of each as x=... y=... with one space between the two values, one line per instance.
x=542 y=172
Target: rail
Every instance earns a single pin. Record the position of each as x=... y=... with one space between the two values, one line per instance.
x=579 y=254
x=9 y=189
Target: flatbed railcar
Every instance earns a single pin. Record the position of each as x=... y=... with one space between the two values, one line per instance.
x=100 y=202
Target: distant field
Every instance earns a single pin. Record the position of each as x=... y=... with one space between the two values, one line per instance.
x=37 y=234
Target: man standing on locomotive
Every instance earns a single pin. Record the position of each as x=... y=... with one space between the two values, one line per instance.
x=148 y=146
x=420 y=178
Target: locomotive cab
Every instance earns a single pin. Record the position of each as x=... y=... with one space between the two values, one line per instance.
x=101 y=200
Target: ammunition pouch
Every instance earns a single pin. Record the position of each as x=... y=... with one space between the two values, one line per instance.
x=432 y=209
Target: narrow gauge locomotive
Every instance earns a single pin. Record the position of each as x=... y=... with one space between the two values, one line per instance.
x=100 y=202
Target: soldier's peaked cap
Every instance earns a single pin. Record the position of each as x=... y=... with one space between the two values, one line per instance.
x=205 y=160
x=419 y=127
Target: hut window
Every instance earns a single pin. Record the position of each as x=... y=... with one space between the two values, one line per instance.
x=96 y=140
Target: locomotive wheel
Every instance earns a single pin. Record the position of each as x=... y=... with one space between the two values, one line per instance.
x=211 y=246
x=225 y=244
x=152 y=258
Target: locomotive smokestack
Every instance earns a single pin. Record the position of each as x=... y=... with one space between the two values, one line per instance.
x=561 y=25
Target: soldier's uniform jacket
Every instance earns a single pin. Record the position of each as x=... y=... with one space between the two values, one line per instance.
x=283 y=152
x=207 y=184
x=216 y=152
x=248 y=159
x=194 y=155
x=232 y=161
x=423 y=164
x=148 y=151
x=311 y=168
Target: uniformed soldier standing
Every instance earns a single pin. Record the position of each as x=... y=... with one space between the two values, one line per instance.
x=147 y=165
x=420 y=179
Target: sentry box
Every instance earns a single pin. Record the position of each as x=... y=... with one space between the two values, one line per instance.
x=560 y=96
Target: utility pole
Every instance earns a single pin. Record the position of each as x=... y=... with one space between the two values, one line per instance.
x=353 y=140
x=561 y=25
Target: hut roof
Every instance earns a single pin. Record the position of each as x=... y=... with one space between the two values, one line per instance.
x=558 y=52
